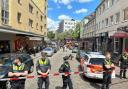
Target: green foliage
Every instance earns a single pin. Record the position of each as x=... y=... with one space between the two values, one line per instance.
x=51 y=35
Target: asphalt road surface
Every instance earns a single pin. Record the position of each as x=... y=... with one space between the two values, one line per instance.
x=79 y=82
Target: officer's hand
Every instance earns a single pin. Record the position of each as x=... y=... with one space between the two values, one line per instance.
x=108 y=66
x=44 y=75
x=112 y=65
x=17 y=74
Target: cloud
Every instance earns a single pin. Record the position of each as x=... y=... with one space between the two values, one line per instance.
x=84 y=1
x=52 y=25
x=61 y=17
x=69 y=7
x=81 y=11
x=65 y=2
x=50 y=8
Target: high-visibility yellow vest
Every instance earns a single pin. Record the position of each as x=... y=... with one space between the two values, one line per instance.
x=43 y=62
x=18 y=68
x=108 y=62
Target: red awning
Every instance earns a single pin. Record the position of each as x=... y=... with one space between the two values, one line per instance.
x=120 y=35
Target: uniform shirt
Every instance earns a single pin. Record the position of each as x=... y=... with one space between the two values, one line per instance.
x=65 y=67
x=107 y=62
x=18 y=68
x=43 y=66
x=124 y=61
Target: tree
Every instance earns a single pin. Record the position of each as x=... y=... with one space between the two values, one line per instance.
x=76 y=32
x=51 y=35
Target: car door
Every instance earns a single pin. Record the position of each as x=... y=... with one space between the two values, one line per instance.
x=86 y=61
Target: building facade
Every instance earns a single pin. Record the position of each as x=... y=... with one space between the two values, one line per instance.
x=111 y=15
x=21 y=21
x=66 y=25
x=109 y=28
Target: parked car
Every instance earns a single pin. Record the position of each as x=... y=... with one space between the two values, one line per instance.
x=6 y=61
x=92 y=65
x=49 y=51
x=80 y=54
x=75 y=50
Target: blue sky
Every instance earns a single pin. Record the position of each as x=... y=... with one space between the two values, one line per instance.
x=67 y=9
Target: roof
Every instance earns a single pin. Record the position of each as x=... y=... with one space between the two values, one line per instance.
x=95 y=55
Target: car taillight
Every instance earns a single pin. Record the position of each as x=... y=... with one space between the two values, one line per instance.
x=90 y=66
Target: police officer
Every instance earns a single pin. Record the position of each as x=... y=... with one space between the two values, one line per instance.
x=123 y=62
x=65 y=68
x=108 y=67
x=43 y=69
x=18 y=69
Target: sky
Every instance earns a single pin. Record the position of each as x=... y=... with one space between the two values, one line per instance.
x=69 y=9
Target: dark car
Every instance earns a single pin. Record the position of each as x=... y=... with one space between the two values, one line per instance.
x=7 y=59
x=80 y=54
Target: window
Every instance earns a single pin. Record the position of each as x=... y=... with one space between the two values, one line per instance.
x=30 y=8
x=111 y=20
x=41 y=17
x=106 y=22
x=37 y=14
x=117 y=17
x=37 y=26
x=19 y=17
x=113 y=1
x=19 y=1
x=30 y=22
x=102 y=23
x=41 y=28
x=126 y=14
x=5 y=11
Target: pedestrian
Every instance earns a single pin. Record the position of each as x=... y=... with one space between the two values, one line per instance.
x=65 y=68
x=123 y=62
x=43 y=69
x=108 y=67
x=18 y=69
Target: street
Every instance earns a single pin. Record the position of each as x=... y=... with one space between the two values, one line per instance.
x=79 y=82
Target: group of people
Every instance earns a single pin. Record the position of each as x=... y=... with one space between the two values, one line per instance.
x=43 y=67
x=108 y=68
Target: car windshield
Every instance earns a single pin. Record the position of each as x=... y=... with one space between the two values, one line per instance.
x=96 y=61
x=48 y=49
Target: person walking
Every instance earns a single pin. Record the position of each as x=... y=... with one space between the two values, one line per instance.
x=65 y=68
x=43 y=69
x=123 y=62
x=108 y=67
x=18 y=69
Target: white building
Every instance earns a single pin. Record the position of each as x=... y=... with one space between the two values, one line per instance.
x=66 y=25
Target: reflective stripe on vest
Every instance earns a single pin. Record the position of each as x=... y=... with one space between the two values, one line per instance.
x=43 y=62
x=18 y=68
x=108 y=62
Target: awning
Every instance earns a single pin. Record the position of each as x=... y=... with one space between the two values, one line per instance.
x=120 y=35
x=18 y=32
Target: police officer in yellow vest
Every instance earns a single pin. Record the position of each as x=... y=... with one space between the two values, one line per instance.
x=18 y=69
x=108 y=67
x=123 y=64
x=43 y=69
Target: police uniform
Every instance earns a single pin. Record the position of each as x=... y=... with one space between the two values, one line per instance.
x=18 y=84
x=107 y=74
x=3 y=84
x=65 y=68
x=43 y=66
x=123 y=65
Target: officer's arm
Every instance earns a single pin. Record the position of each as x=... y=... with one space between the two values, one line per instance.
x=10 y=74
x=49 y=66
x=38 y=68
x=61 y=68
x=25 y=73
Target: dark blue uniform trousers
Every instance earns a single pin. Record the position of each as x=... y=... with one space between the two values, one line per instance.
x=41 y=81
x=67 y=82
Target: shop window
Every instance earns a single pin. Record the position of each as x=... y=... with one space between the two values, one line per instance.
x=126 y=14
x=116 y=45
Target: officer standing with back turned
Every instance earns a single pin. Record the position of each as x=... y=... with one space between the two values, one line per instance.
x=18 y=69
x=65 y=68
x=123 y=62
x=108 y=67
x=43 y=69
